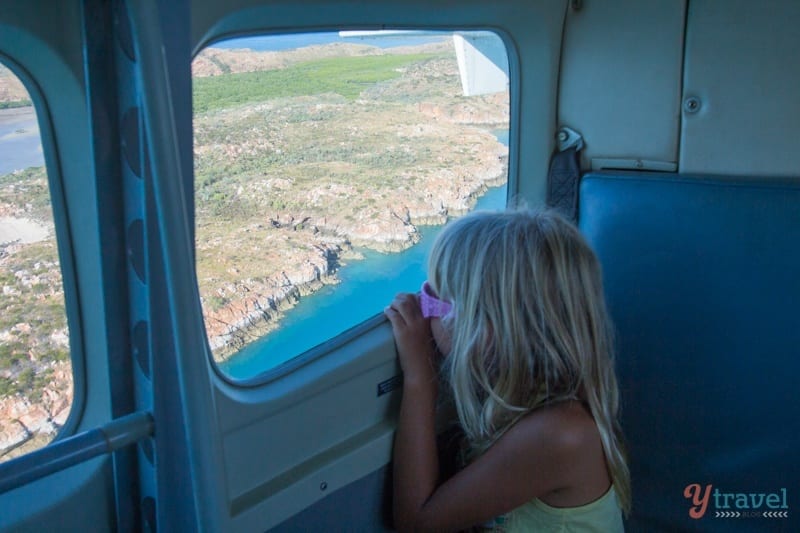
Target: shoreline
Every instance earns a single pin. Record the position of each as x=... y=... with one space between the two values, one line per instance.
x=12 y=114
x=264 y=316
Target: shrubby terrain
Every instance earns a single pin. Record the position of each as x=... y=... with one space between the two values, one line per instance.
x=300 y=166
x=12 y=92
x=35 y=369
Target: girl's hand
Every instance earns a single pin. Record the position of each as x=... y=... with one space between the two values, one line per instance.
x=412 y=333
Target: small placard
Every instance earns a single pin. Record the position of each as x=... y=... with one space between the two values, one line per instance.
x=389 y=385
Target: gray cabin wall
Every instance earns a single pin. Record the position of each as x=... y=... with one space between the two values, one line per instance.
x=742 y=71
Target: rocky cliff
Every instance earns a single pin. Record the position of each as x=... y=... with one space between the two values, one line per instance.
x=28 y=422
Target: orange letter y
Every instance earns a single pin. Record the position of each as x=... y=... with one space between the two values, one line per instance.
x=700 y=504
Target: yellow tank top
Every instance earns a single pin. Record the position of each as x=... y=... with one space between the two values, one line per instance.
x=602 y=516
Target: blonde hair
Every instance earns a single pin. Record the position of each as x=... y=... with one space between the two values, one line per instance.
x=529 y=326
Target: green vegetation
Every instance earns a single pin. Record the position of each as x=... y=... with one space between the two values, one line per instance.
x=347 y=76
x=15 y=103
x=29 y=192
x=32 y=312
x=32 y=294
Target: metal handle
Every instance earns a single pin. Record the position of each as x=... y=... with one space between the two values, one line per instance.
x=74 y=450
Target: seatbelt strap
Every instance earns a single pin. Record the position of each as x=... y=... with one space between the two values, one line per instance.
x=564 y=175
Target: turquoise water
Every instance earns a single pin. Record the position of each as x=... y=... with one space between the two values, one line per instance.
x=20 y=142
x=367 y=286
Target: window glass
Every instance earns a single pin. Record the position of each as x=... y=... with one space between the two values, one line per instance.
x=35 y=368
x=325 y=164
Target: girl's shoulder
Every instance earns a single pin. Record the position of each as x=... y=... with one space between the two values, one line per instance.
x=564 y=424
x=567 y=434
x=561 y=434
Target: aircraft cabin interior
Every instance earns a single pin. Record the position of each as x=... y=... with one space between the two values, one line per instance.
x=221 y=173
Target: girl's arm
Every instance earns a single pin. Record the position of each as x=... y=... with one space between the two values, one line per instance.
x=416 y=464
x=534 y=458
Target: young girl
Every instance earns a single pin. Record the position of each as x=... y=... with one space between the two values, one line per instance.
x=514 y=307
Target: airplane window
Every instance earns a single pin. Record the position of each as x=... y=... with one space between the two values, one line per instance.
x=325 y=164
x=35 y=368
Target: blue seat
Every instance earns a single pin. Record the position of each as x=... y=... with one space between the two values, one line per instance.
x=702 y=277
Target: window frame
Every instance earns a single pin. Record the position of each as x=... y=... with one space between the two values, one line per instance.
x=64 y=244
x=277 y=372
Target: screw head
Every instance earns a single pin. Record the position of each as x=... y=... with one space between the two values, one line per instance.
x=691 y=104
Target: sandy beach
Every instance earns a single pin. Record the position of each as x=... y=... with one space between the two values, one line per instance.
x=21 y=230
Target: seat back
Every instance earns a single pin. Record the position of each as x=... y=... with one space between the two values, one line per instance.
x=702 y=277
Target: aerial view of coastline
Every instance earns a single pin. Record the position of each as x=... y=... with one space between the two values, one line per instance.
x=319 y=153
x=306 y=159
